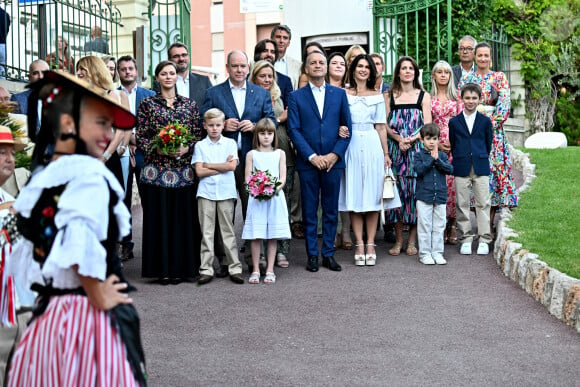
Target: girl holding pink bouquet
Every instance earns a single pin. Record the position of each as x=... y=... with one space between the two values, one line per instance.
x=267 y=214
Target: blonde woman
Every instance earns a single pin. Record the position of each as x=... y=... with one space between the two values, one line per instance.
x=445 y=104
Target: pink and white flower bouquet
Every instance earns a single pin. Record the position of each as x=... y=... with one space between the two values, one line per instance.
x=261 y=185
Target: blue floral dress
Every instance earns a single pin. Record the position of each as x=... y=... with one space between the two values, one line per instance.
x=406 y=120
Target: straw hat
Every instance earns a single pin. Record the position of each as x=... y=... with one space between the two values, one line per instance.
x=6 y=137
x=122 y=118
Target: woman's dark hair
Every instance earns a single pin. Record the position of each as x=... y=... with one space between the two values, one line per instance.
x=373 y=71
x=396 y=86
x=305 y=52
x=162 y=64
x=64 y=102
x=482 y=45
x=343 y=80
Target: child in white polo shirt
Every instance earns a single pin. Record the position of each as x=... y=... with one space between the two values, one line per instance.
x=215 y=158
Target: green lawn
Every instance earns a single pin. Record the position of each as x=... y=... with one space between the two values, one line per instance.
x=548 y=217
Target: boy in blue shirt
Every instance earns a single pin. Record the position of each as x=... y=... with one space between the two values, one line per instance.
x=431 y=166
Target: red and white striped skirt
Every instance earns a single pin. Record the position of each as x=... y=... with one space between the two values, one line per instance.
x=71 y=344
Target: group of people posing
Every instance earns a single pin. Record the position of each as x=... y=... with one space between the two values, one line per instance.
x=338 y=134
x=340 y=131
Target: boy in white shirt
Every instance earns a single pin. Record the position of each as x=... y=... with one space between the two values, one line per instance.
x=215 y=158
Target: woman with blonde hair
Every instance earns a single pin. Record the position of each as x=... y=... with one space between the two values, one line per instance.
x=264 y=75
x=445 y=104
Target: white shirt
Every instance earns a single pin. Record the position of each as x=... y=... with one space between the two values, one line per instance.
x=223 y=185
x=318 y=93
x=239 y=94
x=470 y=120
x=132 y=98
x=281 y=66
x=182 y=85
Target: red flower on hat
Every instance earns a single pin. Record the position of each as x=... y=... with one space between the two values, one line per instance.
x=48 y=212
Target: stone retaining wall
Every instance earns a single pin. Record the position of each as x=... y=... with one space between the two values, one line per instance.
x=558 y=292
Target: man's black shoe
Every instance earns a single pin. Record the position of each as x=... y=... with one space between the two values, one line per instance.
x=330 y=263
x=312 y=264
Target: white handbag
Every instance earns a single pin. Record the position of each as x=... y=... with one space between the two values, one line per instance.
x=389 y=184
x=391 y=197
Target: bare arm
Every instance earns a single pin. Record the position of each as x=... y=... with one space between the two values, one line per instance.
x=382 y=131
x=249 y=165
x=202 y=171
x=104 y=295
x=282 y=168
x=229 y=165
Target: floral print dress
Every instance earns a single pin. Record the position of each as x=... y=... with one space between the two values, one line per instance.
x=502 y=187
x=405 y=120
x=442 y=112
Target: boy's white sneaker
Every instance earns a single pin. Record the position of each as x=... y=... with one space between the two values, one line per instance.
x=465 y=248
x=426 y=260
x=438 y=258
x=482 y=248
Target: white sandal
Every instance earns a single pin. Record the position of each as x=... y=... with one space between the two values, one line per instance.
x=254 y=278
x=359 y=259
x=270 y=278
x=371 y=259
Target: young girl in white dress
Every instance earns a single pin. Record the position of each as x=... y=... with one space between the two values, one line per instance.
x=267 y=219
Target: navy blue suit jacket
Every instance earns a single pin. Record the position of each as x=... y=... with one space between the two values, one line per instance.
x=470 y=149
x=22 y=99
x=312 y=134
x=258 y=105
x=285 y=85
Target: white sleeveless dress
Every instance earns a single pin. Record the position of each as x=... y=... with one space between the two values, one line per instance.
x=267 y=219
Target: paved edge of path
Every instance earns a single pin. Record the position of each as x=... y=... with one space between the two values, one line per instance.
x=558 y=292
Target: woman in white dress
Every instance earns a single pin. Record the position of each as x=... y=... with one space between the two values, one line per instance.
x=366 y=158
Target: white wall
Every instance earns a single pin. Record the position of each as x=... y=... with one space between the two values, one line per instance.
x=321 y=17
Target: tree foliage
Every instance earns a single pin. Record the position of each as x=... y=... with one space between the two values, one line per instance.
x=541 y=31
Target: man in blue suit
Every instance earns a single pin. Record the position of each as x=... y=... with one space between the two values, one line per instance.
x=470 y=137
x=128 y=74
x=243 y=104
x=266 y=49
x=315 y=113
x=36 y=71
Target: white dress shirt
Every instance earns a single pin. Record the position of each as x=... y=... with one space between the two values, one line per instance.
x=182 y=85
x=132 y=95
x=319 y=93
x=239 y=94
x=223 y=185
x=281 y=66
x=470 y=120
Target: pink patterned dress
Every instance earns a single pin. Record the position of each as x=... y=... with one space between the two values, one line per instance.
x=502 y=187
x=441 y=113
